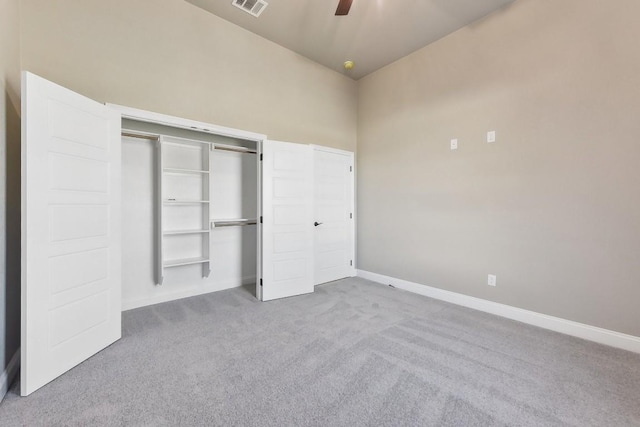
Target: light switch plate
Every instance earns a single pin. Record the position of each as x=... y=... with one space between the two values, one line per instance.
x=454 y=144
x=491 y=136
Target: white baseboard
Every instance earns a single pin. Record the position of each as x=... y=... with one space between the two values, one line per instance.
x=143 y=302
x=568 y=327
x=9 y=374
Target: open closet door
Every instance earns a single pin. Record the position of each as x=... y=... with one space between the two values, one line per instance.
x=70 y=230
x=287 y=228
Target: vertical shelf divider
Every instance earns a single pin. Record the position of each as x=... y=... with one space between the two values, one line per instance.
x=206 y=216
x=159 y=208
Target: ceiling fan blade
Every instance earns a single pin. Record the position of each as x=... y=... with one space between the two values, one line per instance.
x=343 y=7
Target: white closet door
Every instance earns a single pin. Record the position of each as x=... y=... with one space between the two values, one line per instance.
x=287 y=229
x=334 y=214
x=70 y=230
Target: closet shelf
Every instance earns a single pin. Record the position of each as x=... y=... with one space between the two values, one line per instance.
x=185 y=261
x=176 y=171
x=179 y=232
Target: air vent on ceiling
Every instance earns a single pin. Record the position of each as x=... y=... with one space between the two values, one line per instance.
x=254 y=7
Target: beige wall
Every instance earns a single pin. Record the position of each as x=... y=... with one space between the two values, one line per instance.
x=9 y=182
x=553 y=207
x=174 y=58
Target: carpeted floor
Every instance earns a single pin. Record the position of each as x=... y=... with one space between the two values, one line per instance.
x=354 y=353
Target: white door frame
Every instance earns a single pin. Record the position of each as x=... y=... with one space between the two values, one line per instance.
x=352 y=156
x=179 y=122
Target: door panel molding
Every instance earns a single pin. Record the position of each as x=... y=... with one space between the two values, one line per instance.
x=334 y=258
x=71 y=238
x=287 y=228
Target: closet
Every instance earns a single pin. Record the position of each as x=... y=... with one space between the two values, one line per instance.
x=190 y=211
x=123 y=208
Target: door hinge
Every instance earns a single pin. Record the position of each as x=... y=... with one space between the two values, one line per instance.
x=351 y=215
x=260 y=282
x=260 y=156
x=260 y=220
x=350 y=168
x=351 y=263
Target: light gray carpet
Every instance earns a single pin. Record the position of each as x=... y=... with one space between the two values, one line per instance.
x=354 y=353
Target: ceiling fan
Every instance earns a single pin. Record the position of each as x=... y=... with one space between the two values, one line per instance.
x=343 y=7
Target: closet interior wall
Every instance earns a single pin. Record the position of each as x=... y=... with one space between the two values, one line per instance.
x=233 y=195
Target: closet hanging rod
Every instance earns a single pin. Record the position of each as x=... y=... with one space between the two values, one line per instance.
x=237 y=149
x=233 y=223
x=147 y=136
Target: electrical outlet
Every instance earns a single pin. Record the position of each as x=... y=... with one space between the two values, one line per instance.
x=454 y=144
x=492 y=280
x=491 y=136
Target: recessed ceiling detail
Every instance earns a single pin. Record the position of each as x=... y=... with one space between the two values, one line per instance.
x=374 y=33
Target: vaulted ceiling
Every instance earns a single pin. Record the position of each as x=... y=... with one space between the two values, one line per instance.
x=374 y=34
